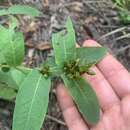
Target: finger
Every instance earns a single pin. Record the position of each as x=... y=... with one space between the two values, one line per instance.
x=104 y=91
x=102 y=88
x=70 y=113
x=114 y=72
x=125 y=107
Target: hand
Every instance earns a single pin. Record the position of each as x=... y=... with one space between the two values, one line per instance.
x=112 y=86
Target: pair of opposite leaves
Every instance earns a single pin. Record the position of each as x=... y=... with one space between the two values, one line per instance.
x=12 y=50
x=33 y=95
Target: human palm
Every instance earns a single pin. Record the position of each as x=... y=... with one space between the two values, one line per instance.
x=112 y=86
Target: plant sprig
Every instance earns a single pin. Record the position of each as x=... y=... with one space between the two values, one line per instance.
x=123 y=7
x=33 y=85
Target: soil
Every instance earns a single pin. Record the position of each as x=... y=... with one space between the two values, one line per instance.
x=93 y=19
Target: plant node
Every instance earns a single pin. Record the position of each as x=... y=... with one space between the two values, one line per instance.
x=71 y=69
x=45 y=71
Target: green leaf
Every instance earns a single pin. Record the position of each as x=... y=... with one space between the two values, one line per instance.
x=13 y=78
x=3 y=40
x=2 y=59
x=13 y=23
x=6 y=92
x=90 y=55
x=123 y=8
x=11 y=46
x=23 y=9
x=14 y=52
x=84 y=97
x=64 y=44
x=118 y=2
x=124 y=16
x=4 y=12
x=31 y=102
x=20 y=9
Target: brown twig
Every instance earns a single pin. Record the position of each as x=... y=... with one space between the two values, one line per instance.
x=40 y=46
x=112 y=32
x=56 y=120
x=43 y=46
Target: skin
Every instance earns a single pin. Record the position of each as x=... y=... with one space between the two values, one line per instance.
x=112 y=86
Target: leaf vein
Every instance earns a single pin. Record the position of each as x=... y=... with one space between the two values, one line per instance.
x=33 y=98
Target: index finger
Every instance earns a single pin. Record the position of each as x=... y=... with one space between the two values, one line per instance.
x=114 y=72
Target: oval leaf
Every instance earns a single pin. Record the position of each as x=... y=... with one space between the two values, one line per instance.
x=31 y=102
x=90 y=55
x=11 y=46
x=20 y=9
x=14 y=52
x=64 y=44
x=23 y=9
x=84 y=97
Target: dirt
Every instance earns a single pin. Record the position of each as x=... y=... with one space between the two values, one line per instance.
x=93 y=19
